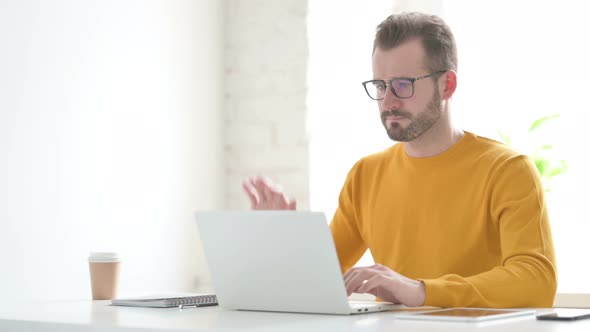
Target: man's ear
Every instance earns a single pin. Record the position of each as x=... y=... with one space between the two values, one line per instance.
x=449 y=84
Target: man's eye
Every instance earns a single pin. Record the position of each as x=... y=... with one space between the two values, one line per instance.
x=402 y=84
x=379 y=86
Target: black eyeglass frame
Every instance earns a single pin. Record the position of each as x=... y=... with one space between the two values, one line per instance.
x=411 y=79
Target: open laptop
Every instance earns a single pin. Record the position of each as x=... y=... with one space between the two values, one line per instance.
x=276 y=261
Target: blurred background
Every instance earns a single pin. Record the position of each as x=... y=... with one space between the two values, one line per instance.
x=119 y=119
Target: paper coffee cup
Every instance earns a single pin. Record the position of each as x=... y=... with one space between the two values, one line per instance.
x=104 y=274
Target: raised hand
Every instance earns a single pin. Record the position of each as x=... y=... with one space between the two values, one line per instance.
x=265 y=195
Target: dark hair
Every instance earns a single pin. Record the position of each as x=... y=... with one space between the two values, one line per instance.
x=436 y=36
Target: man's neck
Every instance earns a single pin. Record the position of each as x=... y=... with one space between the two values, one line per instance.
x=438 y=139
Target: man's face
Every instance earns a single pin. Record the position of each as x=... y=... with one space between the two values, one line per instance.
x=407 y=119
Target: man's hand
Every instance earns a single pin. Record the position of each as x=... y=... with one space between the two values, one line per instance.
x=264 y=195
x=385 y=284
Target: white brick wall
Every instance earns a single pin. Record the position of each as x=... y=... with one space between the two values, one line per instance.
x=265 y=111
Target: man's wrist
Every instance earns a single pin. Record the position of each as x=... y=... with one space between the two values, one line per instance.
x=421 y=293
x=417 y=293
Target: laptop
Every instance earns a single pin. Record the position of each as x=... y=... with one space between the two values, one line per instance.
x=282 y=261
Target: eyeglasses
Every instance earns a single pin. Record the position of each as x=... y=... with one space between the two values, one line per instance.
x=401 y=87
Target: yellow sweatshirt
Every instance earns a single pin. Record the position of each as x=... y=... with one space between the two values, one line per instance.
x=471 y=223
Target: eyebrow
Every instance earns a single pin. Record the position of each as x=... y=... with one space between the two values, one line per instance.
x=391 y=78
x=402 y=76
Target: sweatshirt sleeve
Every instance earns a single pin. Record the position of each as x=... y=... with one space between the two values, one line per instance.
x=527 y=276
x=348 y=240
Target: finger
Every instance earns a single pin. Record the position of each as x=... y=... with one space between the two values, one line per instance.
x=260 y=190
x=271 y=196
x=356 y=277
x=350 y=276
x=267 y=187
x=371 y=284
x=276 y=198
x=350 y=271
x=347 y=284
x=286 y=203
x=280 y=199
x=356 y=280
x=265 y=182
x=385 y=270
x=355 y=285
x=252 y=182
x=268 y=194
x=350 y=287
x=382 y=287
x=358 y=269
x=380 y=267
x=251 y=192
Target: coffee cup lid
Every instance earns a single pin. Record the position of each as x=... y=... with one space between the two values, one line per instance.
x=103 y=257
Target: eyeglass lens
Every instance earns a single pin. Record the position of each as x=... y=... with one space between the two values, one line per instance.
x=403 y=88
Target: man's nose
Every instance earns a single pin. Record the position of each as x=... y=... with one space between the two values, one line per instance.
x=390 y=101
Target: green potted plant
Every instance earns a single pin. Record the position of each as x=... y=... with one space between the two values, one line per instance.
x=540 y=151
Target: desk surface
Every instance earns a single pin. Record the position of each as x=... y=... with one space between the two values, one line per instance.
x=70 y=316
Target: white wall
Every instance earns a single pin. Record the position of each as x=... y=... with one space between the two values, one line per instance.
x=110 y=136
x=265 y=95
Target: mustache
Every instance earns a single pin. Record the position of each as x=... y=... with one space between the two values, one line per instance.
x=399 y=113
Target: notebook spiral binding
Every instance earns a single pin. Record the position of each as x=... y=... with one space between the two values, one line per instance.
x=192 y=300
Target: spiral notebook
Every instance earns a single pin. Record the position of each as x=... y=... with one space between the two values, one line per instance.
x=159 y=301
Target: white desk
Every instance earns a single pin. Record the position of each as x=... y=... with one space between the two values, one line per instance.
x=70 y=316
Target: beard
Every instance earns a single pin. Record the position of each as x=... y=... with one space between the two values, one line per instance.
x=419 y=124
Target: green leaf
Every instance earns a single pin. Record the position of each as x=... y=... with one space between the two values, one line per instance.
x=556 y=170
x=541 y=121
x=540 y=153
x=542 y=165
x=504 y=137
